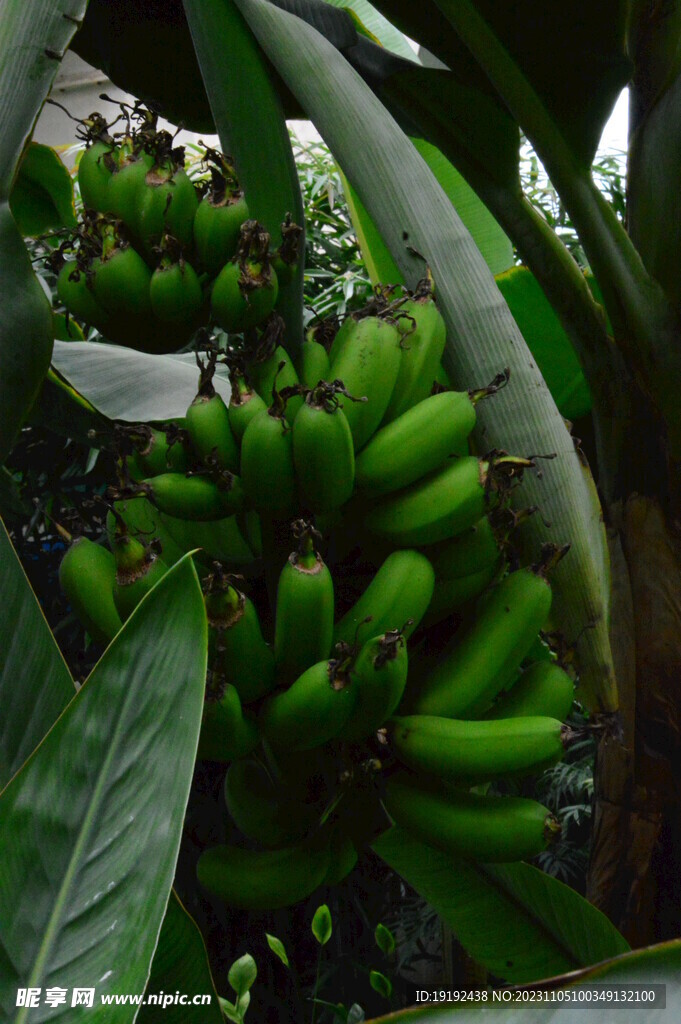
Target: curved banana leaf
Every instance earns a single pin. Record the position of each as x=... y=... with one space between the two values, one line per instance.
x=541 y=927
x=123 y=384
x=247 y=111
x=655 y=965
x=573 y=55
x=42 y=194
x=86 y=875
x=404 y=200
x=31 y=39
x=35 y=683
x=180 y=965
x=547 y=341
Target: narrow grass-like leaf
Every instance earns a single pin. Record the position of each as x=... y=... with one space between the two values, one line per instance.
x=90 y=827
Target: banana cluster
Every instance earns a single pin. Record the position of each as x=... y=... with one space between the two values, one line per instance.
x=157 y=254
x=350 y=697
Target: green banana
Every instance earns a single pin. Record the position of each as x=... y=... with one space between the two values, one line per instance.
x=304 y=616
x=143 y=520
x=484 y=828
x=312 y=363
x=267 y=467
x=243 y=405
x=483 y=659
x=342 y=858
x=263 y=879
x=339 y=336
x=236 y=639
x=220 y=539
x=451 y=596
x=478 y=548
x=323 y=452
x=208 y=425
x=195 y=497
x=458 y=750
x=226 y=733
x=157 y=451
x=138 y=569
x=87 y=573
x=263 y=810
x=542 y=689
x=446 y=503
x=424 y=335
x=379 y=677
x=396 y=598
x=415 y=444
x=368 y=364
x=272 y=369
x=313 y=710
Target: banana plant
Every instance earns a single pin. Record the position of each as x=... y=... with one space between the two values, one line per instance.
x=500 y=68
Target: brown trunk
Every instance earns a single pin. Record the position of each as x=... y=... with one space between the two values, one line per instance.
x=635 y=868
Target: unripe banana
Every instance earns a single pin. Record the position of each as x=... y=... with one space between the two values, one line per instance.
x=220 y=539
x=415 y=444
x=379 y=677
x=396 y=598
x=368 y=364
x=155 y=453
x=243 y=406
x=138 y=569
x=236 y=641
x=263 y=879
x=312 y=363
x=483 y=828
x=304 y=616
x=458 y=750
x=342 y=858
x=209 y=427
x=263 y=810
x=226 y=733
x=424 y=335
x=323 y=452
x=267 y=467
x=451 y=596
x=276 y=371
x=313 y=710
x=342 y=335
x=444 y=504
x=542 y=689
x=482 y=660
x=476 y=549
x=143 y=520
x=87 y=573
x=195 y=497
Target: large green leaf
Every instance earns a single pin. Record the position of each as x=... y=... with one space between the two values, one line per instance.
x=494 y=245
x=123 y=384
x=180 y=965
x=547 y=341
x=247 y=111
x=572 y=55
x=31 y=38
x=540 y=926
x=402 y=197
x=90 y=827
x=654 y=965
x=42 y=195
x=35 y=683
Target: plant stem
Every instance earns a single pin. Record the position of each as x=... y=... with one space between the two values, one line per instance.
x=316 y=986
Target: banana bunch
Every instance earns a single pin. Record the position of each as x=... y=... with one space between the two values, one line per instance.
x=388 y=668
x=157 y=255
